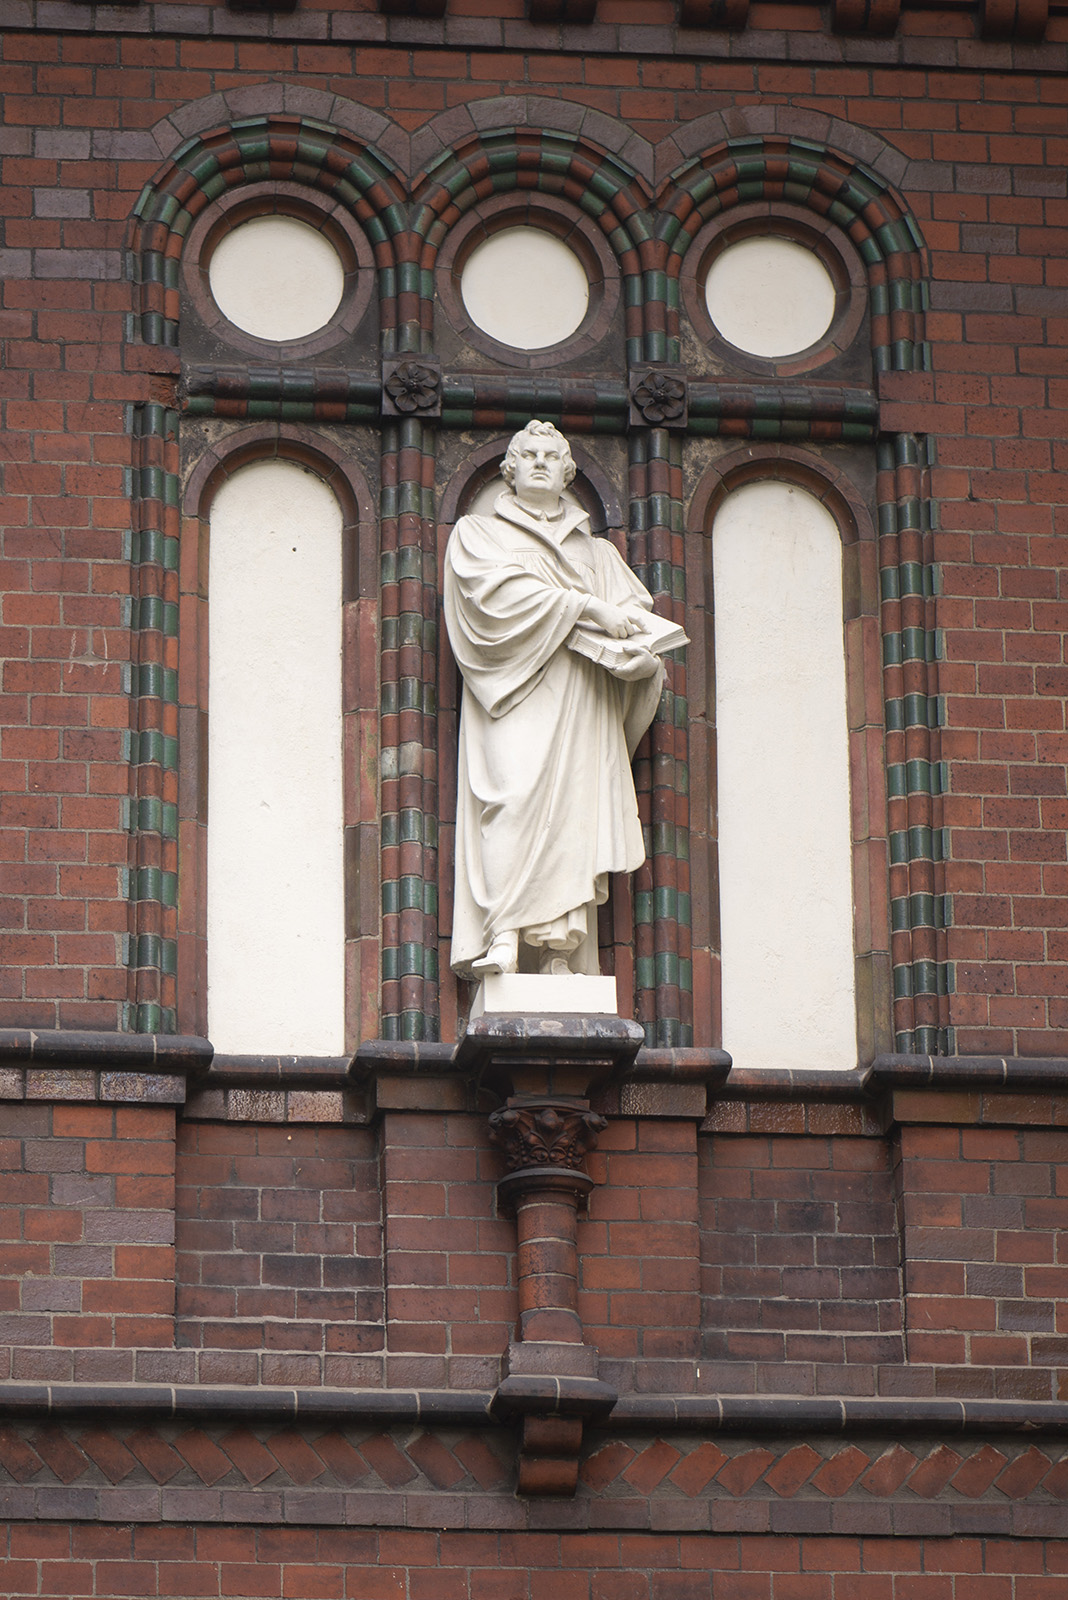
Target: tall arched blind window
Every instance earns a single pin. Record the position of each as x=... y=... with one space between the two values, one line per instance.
x=786 y=899
x=275 y=917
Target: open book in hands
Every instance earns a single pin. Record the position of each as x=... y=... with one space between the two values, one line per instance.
x=659 y=635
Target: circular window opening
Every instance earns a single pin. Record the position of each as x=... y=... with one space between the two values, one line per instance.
x=525 y=288
x=276 y=278
x=769 y=296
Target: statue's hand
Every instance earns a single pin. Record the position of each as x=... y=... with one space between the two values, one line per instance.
x=636 y=665
x=613 y=620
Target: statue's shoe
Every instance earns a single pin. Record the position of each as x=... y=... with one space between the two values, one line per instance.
x=502 y=956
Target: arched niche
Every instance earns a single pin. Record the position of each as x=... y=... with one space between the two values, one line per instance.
x=474 y=487
x=275 y=912
x=783 y=790
x=789 y=847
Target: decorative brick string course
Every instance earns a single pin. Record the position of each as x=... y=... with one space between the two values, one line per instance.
x=87 y=1217
x=386 y=1476
x=833 y=1471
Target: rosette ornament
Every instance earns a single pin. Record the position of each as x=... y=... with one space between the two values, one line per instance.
x=411 y=388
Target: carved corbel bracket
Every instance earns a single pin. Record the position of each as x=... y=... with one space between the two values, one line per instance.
x=543 y=1069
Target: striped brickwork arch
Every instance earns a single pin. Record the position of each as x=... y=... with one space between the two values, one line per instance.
x=844 y=191
x=603 y=186
x=544 y=161
x=586 y=168
x=275 y=147
x=778 y=167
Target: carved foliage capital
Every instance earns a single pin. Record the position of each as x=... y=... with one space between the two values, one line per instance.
x=545 y=1135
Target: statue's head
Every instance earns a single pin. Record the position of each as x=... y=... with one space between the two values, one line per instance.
x=543 y=432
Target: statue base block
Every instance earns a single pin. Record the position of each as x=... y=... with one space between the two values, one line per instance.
x=532 y=994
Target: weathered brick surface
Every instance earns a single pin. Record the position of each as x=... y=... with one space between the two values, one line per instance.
x=985 y=1217
x=87 y=1218
x=199 y=1560
x=639 y=1291
x=279 y=1252
x=800 y=1260
x=451 y=1301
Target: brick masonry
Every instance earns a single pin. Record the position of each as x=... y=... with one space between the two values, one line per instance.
x=974 y=135
x=779 y=1262
x=239 y=1472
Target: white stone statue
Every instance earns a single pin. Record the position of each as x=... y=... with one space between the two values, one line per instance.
x=558 y=648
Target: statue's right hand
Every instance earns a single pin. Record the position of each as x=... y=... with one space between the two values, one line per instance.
x=613 y=620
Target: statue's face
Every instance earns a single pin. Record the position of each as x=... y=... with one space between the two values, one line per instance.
x=539 y=468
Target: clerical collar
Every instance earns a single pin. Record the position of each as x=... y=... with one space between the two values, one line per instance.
x=541 y=516
x=553 y=529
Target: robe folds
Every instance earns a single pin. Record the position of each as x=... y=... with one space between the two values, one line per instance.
x=545 y=804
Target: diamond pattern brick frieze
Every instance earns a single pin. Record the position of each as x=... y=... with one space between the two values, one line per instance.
x=1024 y=1475
x=793 y=1470
x=866 y=16
x=346 y=1474
x=17 y=1458
x=742 y=1471
x=932 y=1474
x=696 y=1470
x=733 y=14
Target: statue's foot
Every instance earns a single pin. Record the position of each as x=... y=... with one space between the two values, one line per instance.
x=502 y=956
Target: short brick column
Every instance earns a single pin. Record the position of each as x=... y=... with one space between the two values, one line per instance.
x=543 y=1069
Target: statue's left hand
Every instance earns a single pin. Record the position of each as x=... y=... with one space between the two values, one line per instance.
x=638 y=664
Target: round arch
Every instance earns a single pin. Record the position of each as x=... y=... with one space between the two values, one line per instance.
x=783 y=168
x=291 y=149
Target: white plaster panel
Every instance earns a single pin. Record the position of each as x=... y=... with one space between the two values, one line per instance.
x=786 y=893
x=770 y=297
x=276 y=278
x=524 y=287
x=275 y=819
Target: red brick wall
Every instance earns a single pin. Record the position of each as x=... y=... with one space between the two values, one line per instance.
x=984 y=148
x=279 y=1263
x=450 y=1291
x=986 y=1214
x=800 y=1259
x=347 y=1564
x=639 y=1251
x=87 y=1219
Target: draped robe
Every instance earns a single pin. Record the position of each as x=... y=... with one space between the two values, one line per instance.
x=545 y=804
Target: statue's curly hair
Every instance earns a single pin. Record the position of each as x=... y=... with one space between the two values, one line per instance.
x=543 y=430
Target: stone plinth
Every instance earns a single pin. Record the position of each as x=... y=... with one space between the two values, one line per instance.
x=538 y=994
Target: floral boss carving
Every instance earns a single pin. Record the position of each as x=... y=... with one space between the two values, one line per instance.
x=411 y=388
x=658 y=397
